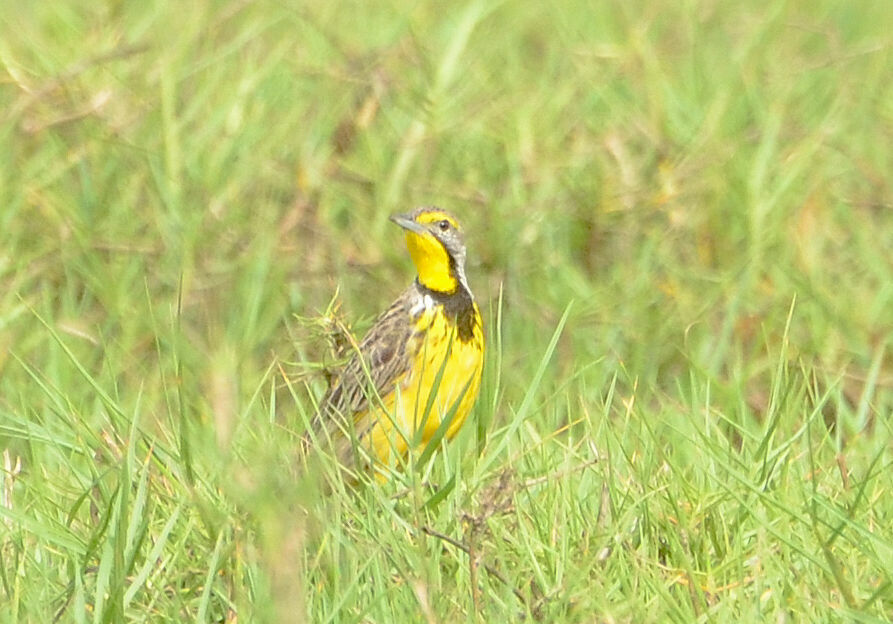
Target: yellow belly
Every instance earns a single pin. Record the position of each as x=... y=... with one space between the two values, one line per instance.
x=443 y=383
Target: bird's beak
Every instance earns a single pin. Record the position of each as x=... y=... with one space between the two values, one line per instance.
x=407 y=223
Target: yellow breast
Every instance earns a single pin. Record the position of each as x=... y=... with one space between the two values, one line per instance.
x=438 y=391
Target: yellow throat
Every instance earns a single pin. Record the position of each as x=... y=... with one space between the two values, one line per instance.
x=432 y=262
x=434 y=240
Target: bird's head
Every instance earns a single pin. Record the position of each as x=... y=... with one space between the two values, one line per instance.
x=435 y=243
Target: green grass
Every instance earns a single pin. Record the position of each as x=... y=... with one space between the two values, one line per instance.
x=680 y=230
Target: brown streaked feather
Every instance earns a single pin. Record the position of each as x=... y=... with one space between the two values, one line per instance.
x=384 y=352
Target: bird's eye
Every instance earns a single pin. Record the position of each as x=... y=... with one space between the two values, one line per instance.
x=444 y=225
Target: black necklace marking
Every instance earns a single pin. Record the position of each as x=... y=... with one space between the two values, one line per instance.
x=457 y=305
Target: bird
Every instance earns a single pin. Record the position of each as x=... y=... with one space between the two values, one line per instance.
x=415 y=376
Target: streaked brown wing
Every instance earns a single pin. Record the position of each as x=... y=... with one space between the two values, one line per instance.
x=384 y=352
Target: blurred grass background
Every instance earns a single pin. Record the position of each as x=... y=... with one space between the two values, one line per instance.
x=702 y=187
